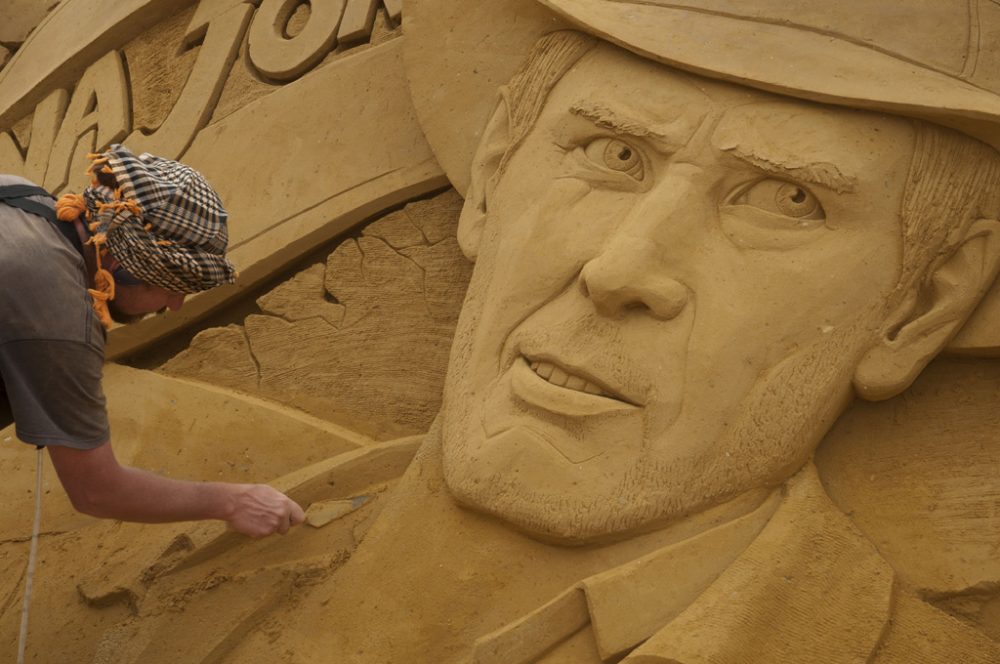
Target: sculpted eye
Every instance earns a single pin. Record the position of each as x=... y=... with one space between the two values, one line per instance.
x=616 y=155
x=784 y=198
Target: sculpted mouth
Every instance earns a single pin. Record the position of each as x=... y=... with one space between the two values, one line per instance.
x=560 y=377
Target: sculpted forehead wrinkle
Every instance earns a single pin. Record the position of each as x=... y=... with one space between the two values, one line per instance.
x=652 y=101
x=830 y=147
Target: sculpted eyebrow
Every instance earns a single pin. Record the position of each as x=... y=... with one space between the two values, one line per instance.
x=621 y=123
x=822 y=173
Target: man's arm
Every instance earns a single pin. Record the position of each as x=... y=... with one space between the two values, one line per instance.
x=99 y=486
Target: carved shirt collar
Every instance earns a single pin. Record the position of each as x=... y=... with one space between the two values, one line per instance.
x=792 y=581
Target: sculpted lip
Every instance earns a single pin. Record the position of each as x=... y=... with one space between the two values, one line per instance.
x=544 y=376
x=562 y=377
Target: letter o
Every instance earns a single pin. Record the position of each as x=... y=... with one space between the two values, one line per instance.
x=284 y=59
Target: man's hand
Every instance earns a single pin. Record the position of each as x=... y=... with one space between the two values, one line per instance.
x=258 y=511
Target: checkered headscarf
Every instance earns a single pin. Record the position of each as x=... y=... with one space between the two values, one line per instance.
x=165 y=224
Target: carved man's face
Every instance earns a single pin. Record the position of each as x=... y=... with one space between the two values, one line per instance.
x=676 y=280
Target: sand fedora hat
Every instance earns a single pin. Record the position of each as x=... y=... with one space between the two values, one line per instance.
x=938 y=61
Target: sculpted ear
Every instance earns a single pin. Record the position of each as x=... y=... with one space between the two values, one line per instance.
x=485 y=171
x=927 y=321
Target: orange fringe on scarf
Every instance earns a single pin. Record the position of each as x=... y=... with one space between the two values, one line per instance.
x=71 y=207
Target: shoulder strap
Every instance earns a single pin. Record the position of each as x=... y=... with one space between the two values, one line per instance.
x=15 y=195
x=22 y=190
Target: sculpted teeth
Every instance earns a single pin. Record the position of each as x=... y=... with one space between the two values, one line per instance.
x=557 y=376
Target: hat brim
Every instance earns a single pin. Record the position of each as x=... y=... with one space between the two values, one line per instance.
x=458 y=52
x=788 y=60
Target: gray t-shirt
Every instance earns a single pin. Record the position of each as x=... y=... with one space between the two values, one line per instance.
x=51 y=343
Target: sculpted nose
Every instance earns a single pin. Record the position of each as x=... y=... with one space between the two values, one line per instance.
x=625 y=278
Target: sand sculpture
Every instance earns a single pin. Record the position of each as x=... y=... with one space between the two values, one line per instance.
x=721 y=389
